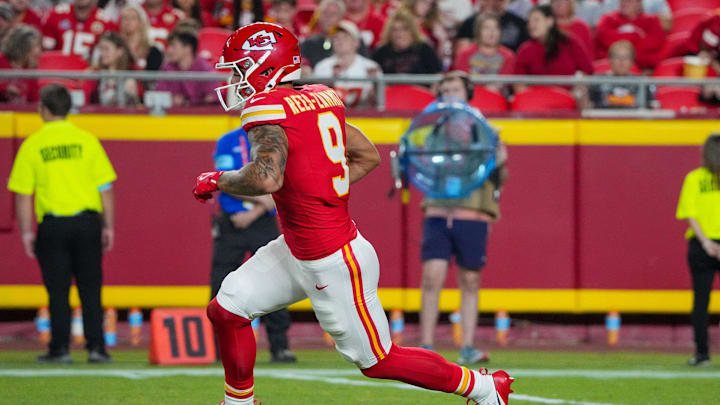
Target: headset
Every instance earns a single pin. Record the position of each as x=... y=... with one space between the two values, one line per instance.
x=459 y=74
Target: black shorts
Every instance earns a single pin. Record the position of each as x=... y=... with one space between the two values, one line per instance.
x=465 y=239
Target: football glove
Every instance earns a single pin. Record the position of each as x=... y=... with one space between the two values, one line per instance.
x=205 y=185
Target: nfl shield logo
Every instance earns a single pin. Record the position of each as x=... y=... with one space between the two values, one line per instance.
x=296 y=59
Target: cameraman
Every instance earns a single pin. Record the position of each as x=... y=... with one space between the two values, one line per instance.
x=458 y=227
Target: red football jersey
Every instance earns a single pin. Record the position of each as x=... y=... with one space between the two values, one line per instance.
x=63 y=31
x=313 y=201
x=162 y=23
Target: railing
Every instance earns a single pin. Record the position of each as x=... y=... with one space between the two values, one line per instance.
x=380 y=82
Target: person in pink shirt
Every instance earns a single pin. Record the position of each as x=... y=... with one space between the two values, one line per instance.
x=564 y=13
x=486 y=55
x=630 y=22
x=549 y=51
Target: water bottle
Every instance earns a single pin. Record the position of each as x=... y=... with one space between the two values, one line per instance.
x=76 y=326
x=502 y=327
x=110 y=327
x=397 y=324
x=42 y=322
x=457 y=332
x=612 y=324
x=135 y=321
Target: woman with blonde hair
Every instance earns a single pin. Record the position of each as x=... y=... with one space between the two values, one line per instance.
x=427 y=14
x=403 y=48
x=700 y=205
x=134 y=26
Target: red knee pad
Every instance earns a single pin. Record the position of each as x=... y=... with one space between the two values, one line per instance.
x=218 y=314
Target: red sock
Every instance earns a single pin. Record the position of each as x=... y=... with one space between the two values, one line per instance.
x=420 y=367
x=236 y=343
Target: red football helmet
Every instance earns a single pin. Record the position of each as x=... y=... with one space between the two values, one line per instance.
x=263 y=55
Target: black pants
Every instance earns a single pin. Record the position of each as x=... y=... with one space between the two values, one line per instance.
x=702 y=269
x=230 y=248
x=67 y=247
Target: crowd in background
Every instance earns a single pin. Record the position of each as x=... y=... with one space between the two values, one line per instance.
x=355 y=39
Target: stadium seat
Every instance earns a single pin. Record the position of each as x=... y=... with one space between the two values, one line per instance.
x=675 y=45
x=673 y=67
x=211 y=42
x=677 y=5
x=686 y=19
x=602 y=66
x=487 y=100
x=542 y=99
x=679 y=98
x=56 y=60
x=407 y=97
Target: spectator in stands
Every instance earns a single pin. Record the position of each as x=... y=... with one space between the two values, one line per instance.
x=75 y=28
x=7 y=18
x=630 y=23
x=704 y=40
x=162 y=18
x=367 y=20
x=24 y=14
x=403 y=49
x=20 y=50
x=564 y=13
x=114 y=54
x=549 y=51
x=486 y=55
x=513 y=28
x=283 y=12
x=181 y=56
x=134 y=28
x=347 y=63
x=428 y=17
x=659 y=8
x=611 y=95
x=460 y=228
x=191 y=9
x=319 y=45
x=699 y=204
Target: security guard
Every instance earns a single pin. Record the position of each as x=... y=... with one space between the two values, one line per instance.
x=241 y=228
x=70 y=174
x=699 y=205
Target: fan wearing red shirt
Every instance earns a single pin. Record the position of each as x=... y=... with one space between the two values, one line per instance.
x=75 y=28
x=24 y=14
x=486 y=55
x=549 y=51
x=20 y=50
x=630 y=23
x=564 y=13
x=162 y=19
x=704 y=37
x=367 y=20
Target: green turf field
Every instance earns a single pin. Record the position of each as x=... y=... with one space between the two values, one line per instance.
x=322 y=377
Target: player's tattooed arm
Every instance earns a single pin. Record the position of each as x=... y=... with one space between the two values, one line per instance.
x=362 y=155
x=264 y=175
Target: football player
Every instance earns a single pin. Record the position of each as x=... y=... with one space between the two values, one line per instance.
x=306 y=156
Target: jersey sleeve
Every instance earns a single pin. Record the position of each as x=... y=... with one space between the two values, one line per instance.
x=263 y=109
x=22 y=176
x=50 y=34
x=103 y=171
x=690 y=190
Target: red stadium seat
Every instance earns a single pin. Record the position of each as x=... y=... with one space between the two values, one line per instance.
x=211 y=42
x=673 y=67
x=677 y=5
x=56 y=60
x=541 y=99
x=407 y=97
x=602 y=66
x=675 y=45
x=679 y=98
x=685 y=20
x=487 y=100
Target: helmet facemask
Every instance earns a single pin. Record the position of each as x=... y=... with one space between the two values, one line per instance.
x=243 y=90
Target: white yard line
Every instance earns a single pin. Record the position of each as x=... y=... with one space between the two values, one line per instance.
x=331 y=376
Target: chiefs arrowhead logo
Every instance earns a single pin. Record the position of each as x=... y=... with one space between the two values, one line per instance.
x=260 y=41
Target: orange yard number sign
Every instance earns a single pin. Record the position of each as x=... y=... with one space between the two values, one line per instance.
x=181 y=336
